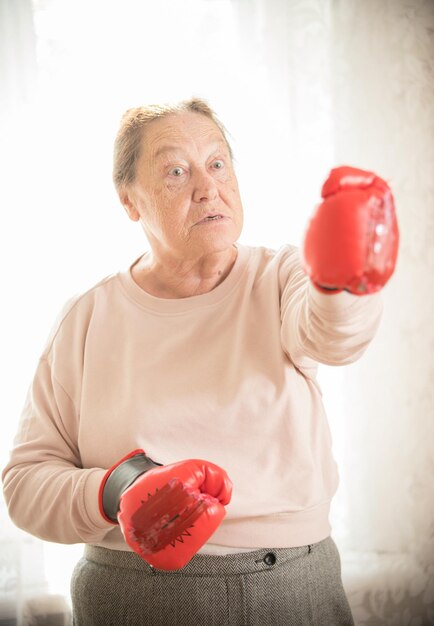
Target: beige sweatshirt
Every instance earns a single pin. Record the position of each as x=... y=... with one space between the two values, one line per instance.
x=227 y=376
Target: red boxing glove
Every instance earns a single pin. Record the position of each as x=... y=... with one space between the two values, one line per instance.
x=166 y=513
x=352 y=239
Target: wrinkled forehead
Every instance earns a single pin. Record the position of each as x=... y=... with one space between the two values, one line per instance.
x=180 y=131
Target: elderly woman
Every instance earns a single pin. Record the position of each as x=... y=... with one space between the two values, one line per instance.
x=175 y=424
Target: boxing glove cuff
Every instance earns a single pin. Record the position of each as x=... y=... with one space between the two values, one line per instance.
x=120 y=477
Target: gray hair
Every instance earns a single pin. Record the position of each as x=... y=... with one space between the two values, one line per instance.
x=127 y=147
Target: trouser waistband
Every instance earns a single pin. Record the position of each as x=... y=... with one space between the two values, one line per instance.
x=205 y=565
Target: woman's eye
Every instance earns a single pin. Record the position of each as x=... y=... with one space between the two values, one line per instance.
x=218 y=164
x=176 y=171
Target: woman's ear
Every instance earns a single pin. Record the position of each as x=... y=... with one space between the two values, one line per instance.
x=129 y=205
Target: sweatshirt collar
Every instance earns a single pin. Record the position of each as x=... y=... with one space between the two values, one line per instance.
x=181 y=305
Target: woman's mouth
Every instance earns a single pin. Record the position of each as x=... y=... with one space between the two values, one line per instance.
x=212 y=218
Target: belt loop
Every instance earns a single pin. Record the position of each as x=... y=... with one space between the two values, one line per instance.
x=309 y=548
x=152 y=569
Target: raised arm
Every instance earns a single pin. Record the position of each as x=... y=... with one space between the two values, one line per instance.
x=350 y=250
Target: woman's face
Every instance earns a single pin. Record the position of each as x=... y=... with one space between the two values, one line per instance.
x=184 y=176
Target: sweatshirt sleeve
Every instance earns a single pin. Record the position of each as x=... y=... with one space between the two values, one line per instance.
x=48 y=492
x=333 y=329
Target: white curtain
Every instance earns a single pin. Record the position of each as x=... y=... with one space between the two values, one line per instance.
x=302 y=85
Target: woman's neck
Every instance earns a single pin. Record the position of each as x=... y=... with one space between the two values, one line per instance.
x=185 y=278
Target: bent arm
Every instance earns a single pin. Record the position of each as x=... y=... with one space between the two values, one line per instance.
x=47 y=491
x=333 y=329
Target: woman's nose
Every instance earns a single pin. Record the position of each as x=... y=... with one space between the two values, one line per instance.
x=205 y=188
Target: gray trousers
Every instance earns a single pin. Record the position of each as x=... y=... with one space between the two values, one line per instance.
x=284 y=586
